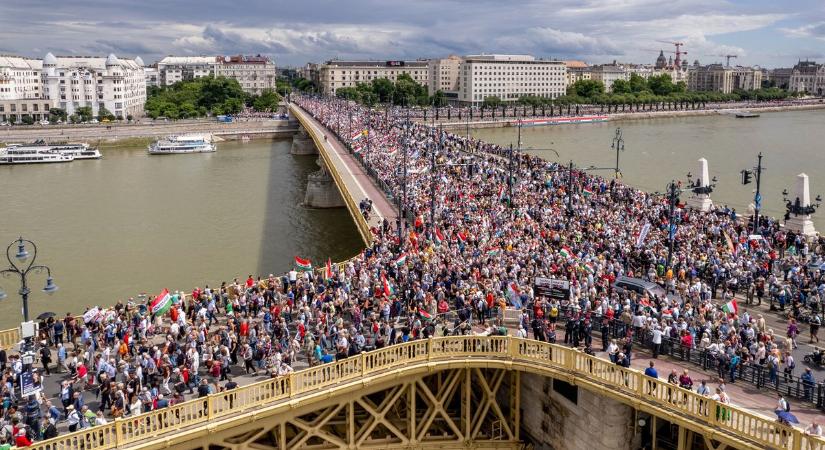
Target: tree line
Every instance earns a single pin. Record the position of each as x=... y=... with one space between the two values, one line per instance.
x=208 y=95
x=403 y=92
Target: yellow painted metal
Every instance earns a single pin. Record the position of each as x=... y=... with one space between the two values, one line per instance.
x=732 y=425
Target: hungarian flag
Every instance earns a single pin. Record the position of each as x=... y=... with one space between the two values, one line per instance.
x=588 y=267
x=731 y=307
x=513 y=291
x=328 y=271
x=501 y=192
x=587 y=192
x=566 y=252
x=388 y=290
x=401 y=260
x=303 y=264
x=461 y=237
x=425 y=315
x=439 y=237
x=161 y=303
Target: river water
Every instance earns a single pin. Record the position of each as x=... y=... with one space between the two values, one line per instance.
x=660 y=150
x=129 y=223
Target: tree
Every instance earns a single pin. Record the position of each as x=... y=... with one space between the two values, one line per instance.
x=661 y=84
x=349 y=93
x=491 y=102
x=384 y=89
x=621 y=87
x=637 y=83
x=56 y=114
x=267 y=101
x=438 y=99
x=103 y=113
x=27 y=119
x=586 y=88
x=282 y=88
x=85 y=113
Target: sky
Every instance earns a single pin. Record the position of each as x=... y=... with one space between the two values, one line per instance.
x=761 y=32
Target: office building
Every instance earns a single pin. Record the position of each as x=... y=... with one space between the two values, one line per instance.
x=608 y=73
x=443 y=75
x=172 y=69
x=253 y=73
x=335 y=74
x=510 y=77
x=711 y=78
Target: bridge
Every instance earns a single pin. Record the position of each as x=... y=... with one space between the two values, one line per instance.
x=457 y=392
x=448 y=393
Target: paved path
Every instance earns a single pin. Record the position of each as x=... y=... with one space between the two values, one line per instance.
x=359 y=184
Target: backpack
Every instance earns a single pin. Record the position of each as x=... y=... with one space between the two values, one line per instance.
x=787 y=405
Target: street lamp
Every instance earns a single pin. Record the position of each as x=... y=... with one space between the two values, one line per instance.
x=22 y=270
x=797 y=208
x=618 y=145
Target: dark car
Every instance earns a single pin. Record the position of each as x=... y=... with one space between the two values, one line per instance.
x=639 y=286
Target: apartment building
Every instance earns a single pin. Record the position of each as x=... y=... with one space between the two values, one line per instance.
x=510 y=77
x=335 y=74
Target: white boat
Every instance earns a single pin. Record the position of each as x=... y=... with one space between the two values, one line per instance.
x=189 y=143
x=32 y=154
x=79 y=151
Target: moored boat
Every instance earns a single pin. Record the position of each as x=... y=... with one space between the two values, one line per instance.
x=27 y=154
x=188 y=143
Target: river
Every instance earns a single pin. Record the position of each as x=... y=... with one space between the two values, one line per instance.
x=660 y=150
x=129 y=223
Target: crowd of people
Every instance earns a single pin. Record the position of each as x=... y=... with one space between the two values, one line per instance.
x=477 y=253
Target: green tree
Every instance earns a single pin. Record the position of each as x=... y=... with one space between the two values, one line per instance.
x=56 y=114
x=85 y=113
x=637 y=83
x=349 y=93
x=491 y=102
x=661 y=84
x=282 y=88
x=267 y=101
x=27 y=119
x=103 y=113
x=586 y=88
x=621 y=87
x=384 y=89
x=438 y=99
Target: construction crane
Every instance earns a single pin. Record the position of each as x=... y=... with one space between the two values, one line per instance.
x=678 y=61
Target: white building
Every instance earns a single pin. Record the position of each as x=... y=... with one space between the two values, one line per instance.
x=253 y=73
x=72 y=82
x=807 y=76
x=172 y=69
x=444 y=74
x=510 y=77
x=334 y=75
x=152 y=76
x=19 y=78
x=607 y=74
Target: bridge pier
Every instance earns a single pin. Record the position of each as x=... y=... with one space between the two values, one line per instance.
x=302 y=143
x=322 y=191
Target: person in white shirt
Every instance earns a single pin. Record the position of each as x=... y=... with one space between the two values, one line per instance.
x=814 y=429
x=657 y=341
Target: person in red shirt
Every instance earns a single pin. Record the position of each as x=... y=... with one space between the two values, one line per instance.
x=687 y=343
x=250 y=282
x=22 y=440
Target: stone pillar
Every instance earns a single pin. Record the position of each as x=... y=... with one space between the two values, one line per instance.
x=322 y=191
x=801 y=223
x=701 y=202
x=302 y=143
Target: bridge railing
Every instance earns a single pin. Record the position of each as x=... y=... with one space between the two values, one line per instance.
x=592 y=372
x=355 y=211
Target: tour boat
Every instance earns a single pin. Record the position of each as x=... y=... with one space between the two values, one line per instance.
x=79 y=151
x=31 y=154
x=746 y=115
x=190 y=143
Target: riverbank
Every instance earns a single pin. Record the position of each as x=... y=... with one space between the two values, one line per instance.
x=150 y=130
x=635 y=115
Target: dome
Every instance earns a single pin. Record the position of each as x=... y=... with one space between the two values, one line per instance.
x=112 y=60
x=139 y=61
x=49 y=60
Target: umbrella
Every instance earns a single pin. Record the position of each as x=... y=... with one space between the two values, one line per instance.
x=786 y=417
x=46 y=315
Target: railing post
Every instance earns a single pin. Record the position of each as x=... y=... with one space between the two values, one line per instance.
x=797 y=439
x=209 y=404
x=513 y=345
x=292 y=385
x=119 y=440
x=363 y=364
x=429 y=348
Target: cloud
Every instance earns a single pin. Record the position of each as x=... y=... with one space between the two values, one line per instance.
x=813 y=30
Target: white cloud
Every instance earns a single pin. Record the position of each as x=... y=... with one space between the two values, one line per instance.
x=814 y=30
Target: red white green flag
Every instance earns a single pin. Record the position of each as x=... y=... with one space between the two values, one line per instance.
x=566 y=252
x=328 y=271
x=424 y=314
x=388 y=290
x=587 y=192
x=731 y=307
x=461 y=236
x=303 y=264
x=161 y=303
x=401 y=260
x=439 y=237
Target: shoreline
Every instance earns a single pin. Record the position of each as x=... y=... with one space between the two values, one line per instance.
x=636 y=115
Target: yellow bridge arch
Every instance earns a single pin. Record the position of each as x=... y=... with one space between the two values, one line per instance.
x=341 y=404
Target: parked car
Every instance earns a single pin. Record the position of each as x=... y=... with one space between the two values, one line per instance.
x=4 y=124
x=44 y=122
x=639 y=286
x=93 y=121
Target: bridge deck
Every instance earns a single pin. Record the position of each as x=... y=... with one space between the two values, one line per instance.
x=358 y=184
